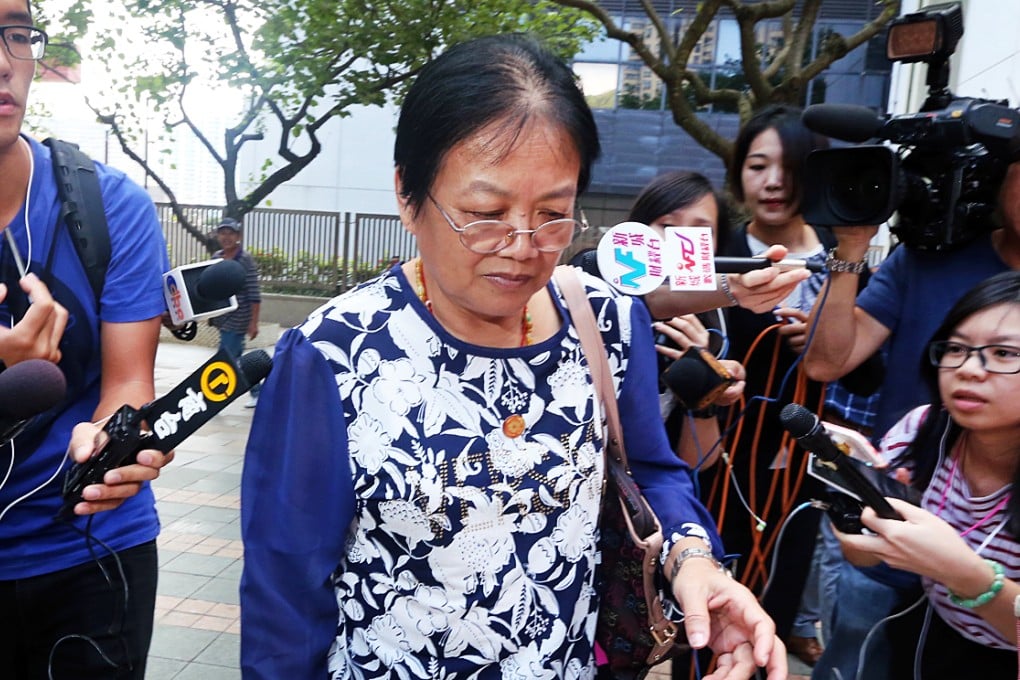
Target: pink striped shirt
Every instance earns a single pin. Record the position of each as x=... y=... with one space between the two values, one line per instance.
x=991 y=540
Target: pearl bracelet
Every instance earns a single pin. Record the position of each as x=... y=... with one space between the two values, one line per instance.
x=985 y=597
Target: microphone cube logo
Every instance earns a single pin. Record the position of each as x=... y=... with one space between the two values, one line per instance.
x=174 y=299
x=690 y=252
x=630 y=257
x=218 y=381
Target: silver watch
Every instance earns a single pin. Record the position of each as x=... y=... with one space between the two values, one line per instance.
x=834 y=264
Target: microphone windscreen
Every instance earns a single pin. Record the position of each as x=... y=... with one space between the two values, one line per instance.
x=255 y=365
x=30 y=388
x=843 y=121
x=797 y=420
x=221 y=280
x=588 y=261
x=690 y=379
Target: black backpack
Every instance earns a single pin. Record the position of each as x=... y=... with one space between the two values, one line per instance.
x=81 y=209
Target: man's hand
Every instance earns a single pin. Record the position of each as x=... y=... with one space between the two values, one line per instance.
x=38 y=334
x=119 y=483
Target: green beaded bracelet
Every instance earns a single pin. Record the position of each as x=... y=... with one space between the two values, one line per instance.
x=985 y=597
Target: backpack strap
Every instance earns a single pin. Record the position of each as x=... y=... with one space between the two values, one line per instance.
x=81 y=209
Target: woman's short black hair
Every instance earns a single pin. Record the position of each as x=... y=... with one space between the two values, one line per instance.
x=506 y=81
x=1003 y=288
x=675 y=190
x=796 y=139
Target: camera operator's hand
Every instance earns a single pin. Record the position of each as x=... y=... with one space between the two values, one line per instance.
x=37 y=335
x=853 y=242
x=119 y=483
x=794 y=327
x=762 y=289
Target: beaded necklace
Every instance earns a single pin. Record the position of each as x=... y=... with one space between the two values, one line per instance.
x=423 y=294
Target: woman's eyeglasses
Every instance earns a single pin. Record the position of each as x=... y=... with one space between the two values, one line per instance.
x=491 y=236
x=994 y=358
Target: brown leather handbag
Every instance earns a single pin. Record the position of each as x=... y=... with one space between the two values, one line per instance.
x=632 y=629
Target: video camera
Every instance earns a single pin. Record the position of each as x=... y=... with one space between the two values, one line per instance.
x=943 y=181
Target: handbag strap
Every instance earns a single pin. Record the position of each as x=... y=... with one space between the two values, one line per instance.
x=569 y=283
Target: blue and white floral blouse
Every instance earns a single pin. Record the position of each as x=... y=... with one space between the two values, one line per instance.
x=414 y=506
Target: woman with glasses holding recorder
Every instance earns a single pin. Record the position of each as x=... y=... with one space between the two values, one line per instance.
x=963 y=450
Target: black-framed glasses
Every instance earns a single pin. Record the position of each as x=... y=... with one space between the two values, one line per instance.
x=24 y=42
x=491 y=236
x=994 y=358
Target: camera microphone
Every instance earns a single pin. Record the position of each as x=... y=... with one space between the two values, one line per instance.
x=697 y=378
x=847 y=122
x=26 y=390
x=171 y=419
x=812 y=435
x=202 y=290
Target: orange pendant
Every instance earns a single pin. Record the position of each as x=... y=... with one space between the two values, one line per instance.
x=513 y=426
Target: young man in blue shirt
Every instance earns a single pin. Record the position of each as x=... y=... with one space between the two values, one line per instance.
x=77 y=595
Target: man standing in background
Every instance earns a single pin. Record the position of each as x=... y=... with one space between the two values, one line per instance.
x=244 y=319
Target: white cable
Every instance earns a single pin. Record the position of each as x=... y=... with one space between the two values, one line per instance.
x=36 y=489
x=779 y=541
x=9 y=468
x=740 y=496
x=871 y=633
x=28 y=202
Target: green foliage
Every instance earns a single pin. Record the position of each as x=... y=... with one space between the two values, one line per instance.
x=779 y=72
x=309 y=274
x=296 y=64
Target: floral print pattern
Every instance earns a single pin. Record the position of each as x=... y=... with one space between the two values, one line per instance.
x=472 y=552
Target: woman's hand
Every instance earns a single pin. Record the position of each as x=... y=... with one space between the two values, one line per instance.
x=685 y=331
x=119 y=483
x=922 y=543
x=794 y=328
x=762 y=289
x=723 y=614
x=736 y=389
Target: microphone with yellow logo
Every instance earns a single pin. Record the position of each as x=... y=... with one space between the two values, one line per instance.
x=171 y=419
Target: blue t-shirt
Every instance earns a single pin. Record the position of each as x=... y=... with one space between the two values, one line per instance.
x=31 y=541
x=910 y=295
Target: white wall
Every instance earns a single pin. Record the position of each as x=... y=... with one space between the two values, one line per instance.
x=352 y=173
x=987 y=59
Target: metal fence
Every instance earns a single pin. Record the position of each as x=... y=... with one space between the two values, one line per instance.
x=302 y=252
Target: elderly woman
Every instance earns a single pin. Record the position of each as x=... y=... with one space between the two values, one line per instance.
x=423 y=475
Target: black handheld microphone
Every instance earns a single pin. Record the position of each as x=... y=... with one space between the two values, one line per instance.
x=26 y=390
x=171 y=418
x=588 y=262
x=813 y=436
x=697 y=378
x=848 y=122
x=202 y=290
x=742 y=265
